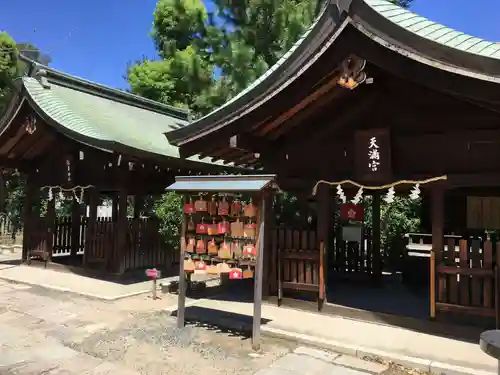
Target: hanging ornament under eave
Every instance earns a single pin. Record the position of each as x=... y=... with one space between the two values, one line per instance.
x=389 y=197
x=358 y=197
x=30 y=124
x=340 y=194
x=51 y=195
x=415 y=193
x=61 y=195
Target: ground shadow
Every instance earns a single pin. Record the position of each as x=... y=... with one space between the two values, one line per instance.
x=73 y=265
x=225 y=290
x=11 y=262
x=367 y=304
x=389 y=297
x=224 y=321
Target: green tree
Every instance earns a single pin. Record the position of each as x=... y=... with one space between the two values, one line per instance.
x=12 y=182
x=9 y=58
x=177 y=80
x=206 y=58
x=168 y=209
x=183 y=73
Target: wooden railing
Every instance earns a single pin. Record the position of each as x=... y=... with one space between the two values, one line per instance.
x=144 y=245
x=464 y=276
x=298 y=260
x=35 y=243
x=62 y=236
x=353 y=259
x=467 y=277
x=99 y=245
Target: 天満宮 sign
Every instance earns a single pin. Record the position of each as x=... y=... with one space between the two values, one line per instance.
x=373 y=155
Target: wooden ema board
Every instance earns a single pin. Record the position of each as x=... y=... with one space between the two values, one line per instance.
x=467 y=277
x=195 y=217
x=221 y=230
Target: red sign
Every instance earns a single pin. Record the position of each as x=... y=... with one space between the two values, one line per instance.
x=352 y=212
x=235 y=274
x=153 y=273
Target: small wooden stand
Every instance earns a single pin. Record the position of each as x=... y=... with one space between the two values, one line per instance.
x=258 y=188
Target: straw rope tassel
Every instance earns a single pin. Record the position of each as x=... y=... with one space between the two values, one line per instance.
x=381 y=187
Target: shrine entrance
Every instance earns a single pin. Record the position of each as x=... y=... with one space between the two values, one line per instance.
x=80 y=157
x=350 y=107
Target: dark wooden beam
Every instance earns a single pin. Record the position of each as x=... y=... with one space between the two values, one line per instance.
x=15 y=163
x=300 y=109
x=250 y=143
x=325 y=126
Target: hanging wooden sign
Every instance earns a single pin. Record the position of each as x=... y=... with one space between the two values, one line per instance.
x=352 y=212
x=373 y=155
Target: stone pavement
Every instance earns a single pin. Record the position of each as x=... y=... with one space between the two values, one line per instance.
x=312 y=361
x=357 y=338
x=50 y=332
x=69 y=282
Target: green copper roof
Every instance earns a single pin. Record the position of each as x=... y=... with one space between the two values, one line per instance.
x=433 y=31
x=117 y=118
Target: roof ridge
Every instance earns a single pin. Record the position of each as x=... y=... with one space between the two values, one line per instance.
x=97 y=89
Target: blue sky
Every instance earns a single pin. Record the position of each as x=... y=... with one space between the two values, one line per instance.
x=95 y=39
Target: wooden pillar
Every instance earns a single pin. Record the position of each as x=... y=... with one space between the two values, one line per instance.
x=258 y=279
x=50 y=219
x=269 y=273
x=324 y=201
x=138 y=205
x=91 y=225
x=437 y=218
x=114 y=206
x=181 y=301
x=274 y=262
x=376 y=255
x=121 y=232
x=75 y=227
x=29 y=200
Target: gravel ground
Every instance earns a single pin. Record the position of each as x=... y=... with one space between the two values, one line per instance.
x=49 y=332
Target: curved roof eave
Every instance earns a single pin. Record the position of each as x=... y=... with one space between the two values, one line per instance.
x=102 y=141
x=246 y=98
x=378 y=20
x=111 y=146
x=104 y=91
x=427 y=42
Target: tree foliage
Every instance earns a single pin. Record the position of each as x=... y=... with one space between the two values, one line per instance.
x=207 y=58
x=11 y=67
x=169 y=211
x=397 y=218
x=9 y=57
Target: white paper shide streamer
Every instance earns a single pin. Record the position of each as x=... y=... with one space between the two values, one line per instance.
x=358 y=197
x=340 y=194
x=389 y=197
x=415 y=193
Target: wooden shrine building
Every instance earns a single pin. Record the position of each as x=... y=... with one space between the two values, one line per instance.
x=80 y=141
x=429 y=95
